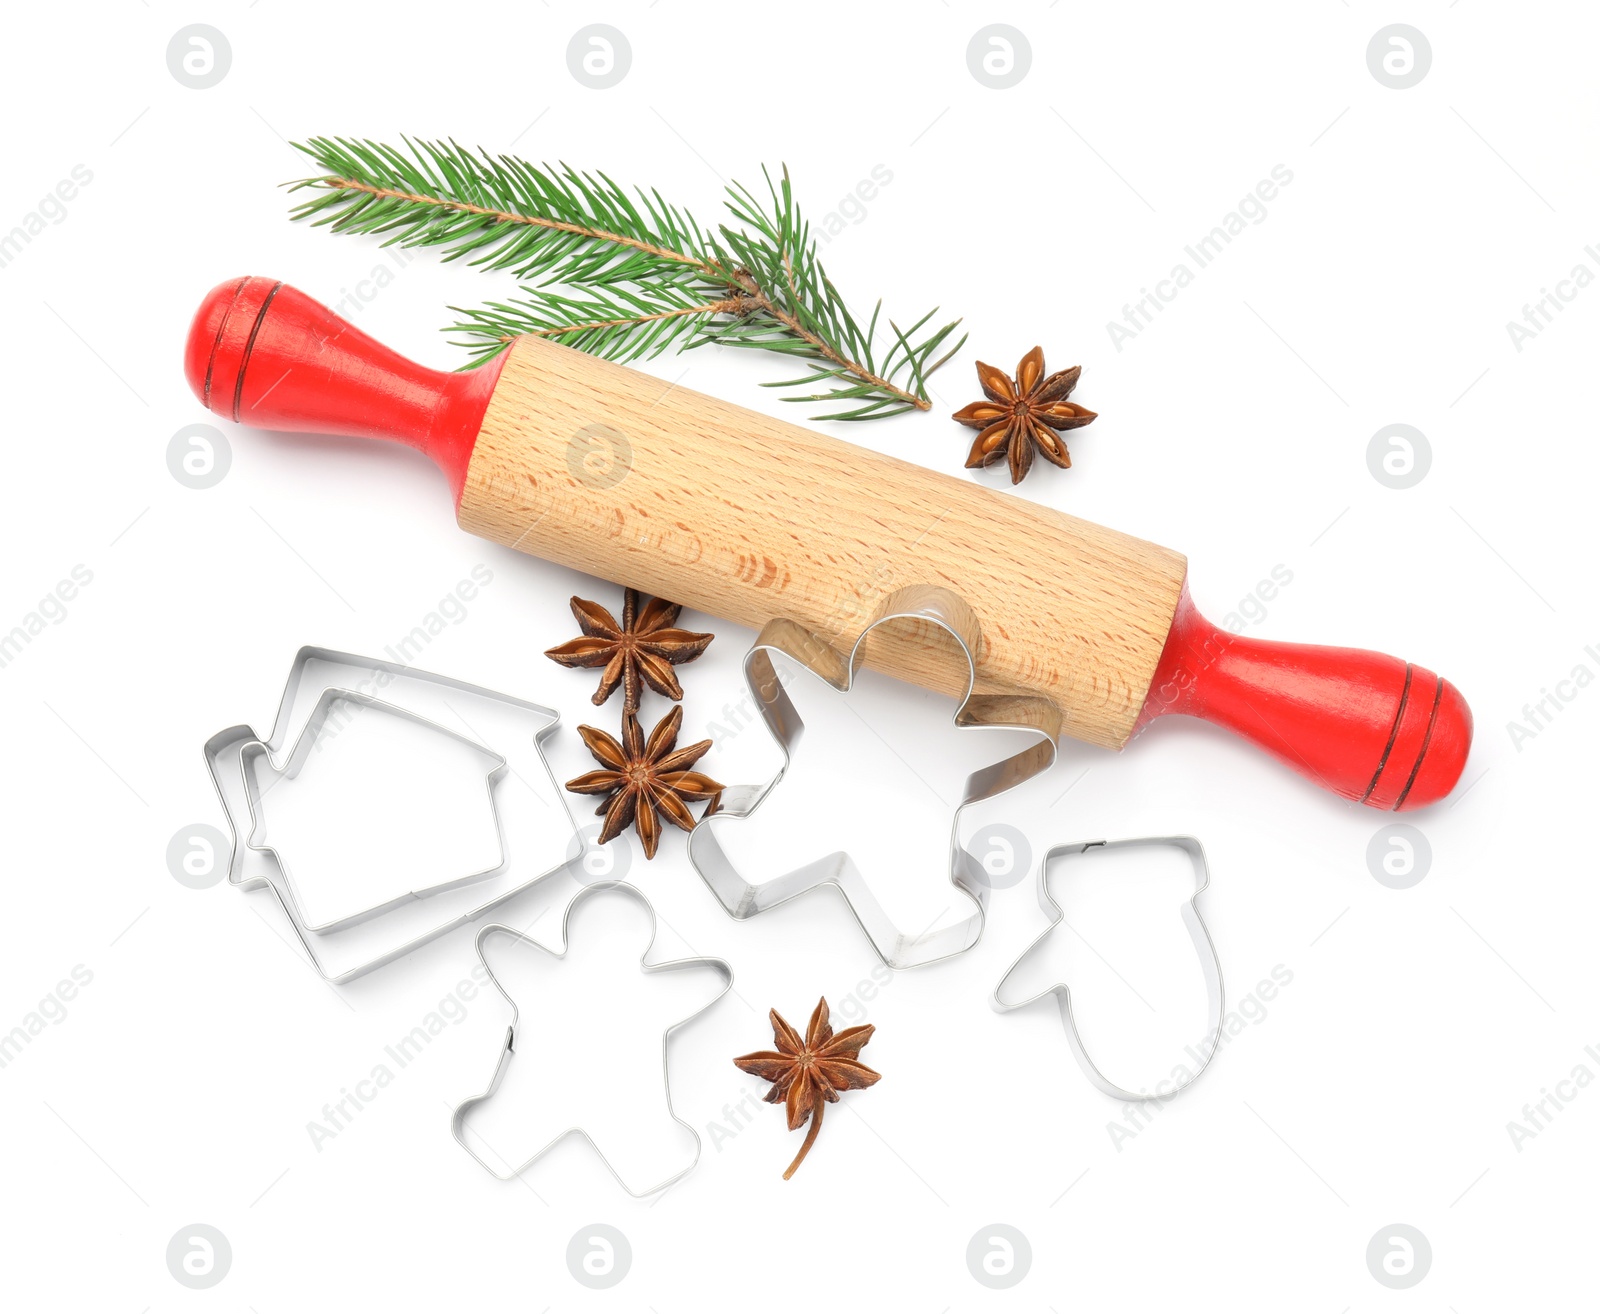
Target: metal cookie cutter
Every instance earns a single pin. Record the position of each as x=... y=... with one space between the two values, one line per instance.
x=458 y=1116
x=251 y=753
x=898 y=949
x=1210 y=967
x=536 y=843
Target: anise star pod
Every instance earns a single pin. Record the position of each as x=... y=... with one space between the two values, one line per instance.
x=1022 y=416
x=645 y=780
x=809 y=1074
x=640 y=651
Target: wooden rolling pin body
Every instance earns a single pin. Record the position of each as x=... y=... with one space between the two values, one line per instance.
x=739 y=515
x=616 y=473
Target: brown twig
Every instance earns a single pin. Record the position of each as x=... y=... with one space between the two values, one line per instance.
x=739 y=305
x=866 y=376
x=805 y=1145
x=507 y=217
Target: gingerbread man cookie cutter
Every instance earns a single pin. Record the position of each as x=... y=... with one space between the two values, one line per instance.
x=509 y=1049
x=837 y=668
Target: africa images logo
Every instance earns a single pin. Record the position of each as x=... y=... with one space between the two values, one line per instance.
x=1250 y=211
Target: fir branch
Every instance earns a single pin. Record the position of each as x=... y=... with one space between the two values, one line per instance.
x=641 y=275
x=614 y=323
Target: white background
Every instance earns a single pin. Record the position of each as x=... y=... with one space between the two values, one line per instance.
x=1378 y=1086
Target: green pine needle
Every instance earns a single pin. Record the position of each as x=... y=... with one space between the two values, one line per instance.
x=623 y=276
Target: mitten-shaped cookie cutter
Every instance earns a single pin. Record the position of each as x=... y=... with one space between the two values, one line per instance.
x=1028 y=712
x=1210 y=967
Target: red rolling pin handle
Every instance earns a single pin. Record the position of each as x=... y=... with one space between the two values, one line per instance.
x=1368 y=727
x=261 y=352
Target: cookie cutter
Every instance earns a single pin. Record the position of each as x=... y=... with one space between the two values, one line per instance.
x=251 y=868
x=919 y=602
x=321 y=714
x=1210 y=966
x=459 y=1113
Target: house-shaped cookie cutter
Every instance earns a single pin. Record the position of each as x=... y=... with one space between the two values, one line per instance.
x=252 y=867
x=304 y=746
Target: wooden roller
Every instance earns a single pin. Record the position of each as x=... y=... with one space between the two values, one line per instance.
x=613 y=472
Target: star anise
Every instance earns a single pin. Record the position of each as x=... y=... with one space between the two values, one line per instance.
x=807 y=1075
x=1021 y=416
x=644 y=779
x=642 y=650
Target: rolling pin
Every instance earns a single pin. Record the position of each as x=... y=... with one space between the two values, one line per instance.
x=613 y=472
